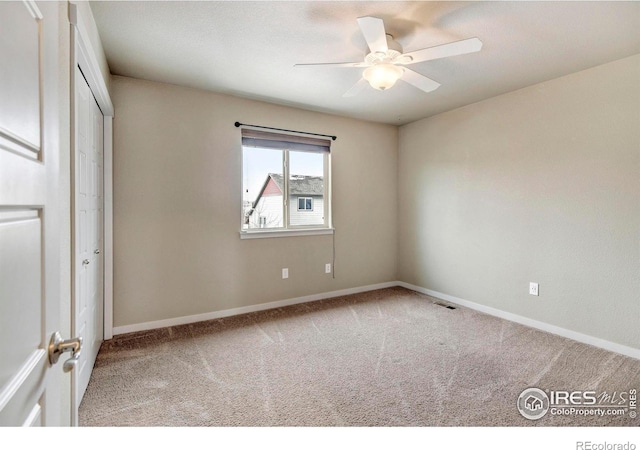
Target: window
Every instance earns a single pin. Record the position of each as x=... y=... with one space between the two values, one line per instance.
x=285 y=183
x=305 y=204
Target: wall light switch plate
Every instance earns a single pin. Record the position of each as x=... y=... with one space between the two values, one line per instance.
x=533 y=288
x=327 y=268
x=285 y=273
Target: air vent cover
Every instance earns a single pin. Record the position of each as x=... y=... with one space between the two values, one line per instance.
x=445 y=305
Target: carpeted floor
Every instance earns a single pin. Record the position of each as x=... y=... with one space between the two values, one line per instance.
x=390 y=357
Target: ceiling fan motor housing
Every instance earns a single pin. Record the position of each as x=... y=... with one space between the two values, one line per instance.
x=394 y=49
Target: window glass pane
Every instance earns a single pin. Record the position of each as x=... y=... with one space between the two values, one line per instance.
x=262 y=188
x=306 y=188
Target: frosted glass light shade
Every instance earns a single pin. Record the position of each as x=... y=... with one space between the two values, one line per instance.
x=382 y=76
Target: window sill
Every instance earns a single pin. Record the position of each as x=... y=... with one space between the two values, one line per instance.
x=284 y=233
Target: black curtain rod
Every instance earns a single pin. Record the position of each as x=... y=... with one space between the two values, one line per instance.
x=238 y=124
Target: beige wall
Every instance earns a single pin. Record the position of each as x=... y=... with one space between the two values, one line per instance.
x=177 y=202
x=541 y=184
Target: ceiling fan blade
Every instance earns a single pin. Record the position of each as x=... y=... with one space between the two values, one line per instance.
x=373 y=30
x=442 y=51
x=356 y=88
x=347 y=64
x=419 y=81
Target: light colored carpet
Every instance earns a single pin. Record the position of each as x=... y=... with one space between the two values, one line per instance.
x=390 y=357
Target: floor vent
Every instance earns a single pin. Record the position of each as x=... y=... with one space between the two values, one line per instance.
x=445 y=306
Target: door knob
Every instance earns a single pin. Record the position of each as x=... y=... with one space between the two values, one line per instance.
x=85 y=262
x=96 y=251
x=58 y=346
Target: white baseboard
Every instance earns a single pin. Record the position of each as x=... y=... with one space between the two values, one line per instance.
x=574 y=335
x=246 y=309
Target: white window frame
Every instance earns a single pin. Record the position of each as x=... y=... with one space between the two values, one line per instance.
x=305 y=204
x=287 y=229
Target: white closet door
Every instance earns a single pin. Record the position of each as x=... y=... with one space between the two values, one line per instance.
x=89 y=270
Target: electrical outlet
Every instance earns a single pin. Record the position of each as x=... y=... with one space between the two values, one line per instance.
x=327 y=268
x=533 y=288
x=285 y=273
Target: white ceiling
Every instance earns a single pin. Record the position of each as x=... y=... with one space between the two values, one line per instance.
x=249 y=48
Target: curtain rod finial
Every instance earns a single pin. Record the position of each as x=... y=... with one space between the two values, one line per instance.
x=237 y=124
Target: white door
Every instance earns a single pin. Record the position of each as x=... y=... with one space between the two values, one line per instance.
x=88 y=232
x=30 y=388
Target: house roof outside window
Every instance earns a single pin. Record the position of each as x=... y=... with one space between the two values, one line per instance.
x=299 y=184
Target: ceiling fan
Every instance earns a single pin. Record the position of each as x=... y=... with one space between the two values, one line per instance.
x=384 y=65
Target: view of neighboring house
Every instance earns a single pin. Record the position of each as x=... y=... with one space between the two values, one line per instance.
x=306 y=204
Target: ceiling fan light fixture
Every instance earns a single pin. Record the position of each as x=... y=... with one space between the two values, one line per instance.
x=385 y=60
x=382 y=76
